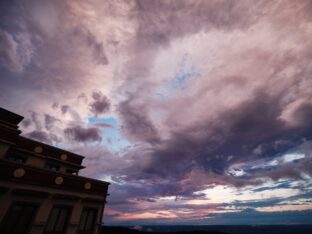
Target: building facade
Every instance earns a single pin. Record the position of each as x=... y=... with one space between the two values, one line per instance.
x=40 y=189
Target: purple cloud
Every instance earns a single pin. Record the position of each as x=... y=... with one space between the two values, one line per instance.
x=43 y=136
x=81 y=134
x=100 y=103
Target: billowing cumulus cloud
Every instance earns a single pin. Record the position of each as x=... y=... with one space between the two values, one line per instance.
x=195 y=99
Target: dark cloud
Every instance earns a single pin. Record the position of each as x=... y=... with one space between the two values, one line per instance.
x=45 y=137
x=39 y=135
x=195 y=152
x=26 y=123
x=100 y=103
x=187 y=17
x=55 y=105
x=64 y=109
x=302 y=115
x=49 y=121
x=81 y=134
x=136 y=122
x=196 y=155
x=290 y=170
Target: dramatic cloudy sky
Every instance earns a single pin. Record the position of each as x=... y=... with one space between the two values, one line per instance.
x=197 y=112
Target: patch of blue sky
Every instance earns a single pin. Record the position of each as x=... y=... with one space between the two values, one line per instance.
x=182 y=77
x=277 y=185
x=61 y=146
x=185 y=71
x=162 y=95
x=112 y=137
x=270 y=164
x=110 y=120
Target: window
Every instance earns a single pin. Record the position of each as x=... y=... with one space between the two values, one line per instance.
x=87 y=220
x=18 y=218
x=16 y=158
x=52 y=167
x=58 y=219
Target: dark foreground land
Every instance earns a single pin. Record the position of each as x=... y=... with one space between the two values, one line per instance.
x=123 y=230
x=215 y=229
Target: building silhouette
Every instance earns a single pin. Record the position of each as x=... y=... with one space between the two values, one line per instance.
x=40 y=189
